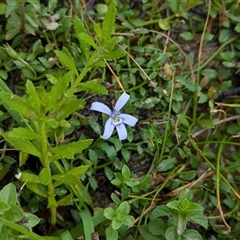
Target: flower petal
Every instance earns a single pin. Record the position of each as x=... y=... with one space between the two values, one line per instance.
x=128 y=119
x=121 y=101
x=122 y=131
x=108 y=129
x=100 y=107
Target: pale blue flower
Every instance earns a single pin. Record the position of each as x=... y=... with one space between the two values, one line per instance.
x=116 y=119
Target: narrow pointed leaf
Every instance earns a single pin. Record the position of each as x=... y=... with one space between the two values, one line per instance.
x=70 y=108
x=108 y=23
x=68 y=151
x=79 y=28
x=65 y=201
x=33 y=96
x=98 y=31
x=78 y=171
x=26 y=147
x=65 y=179
x=84 y=37
x=58 y=89
x=88 y=225
x=29 y=177
x=18 y=104
x=44 y=177
x=110 y=44
x=66 y=59
x=93 y=86
x=23 y=133
x=15 y=115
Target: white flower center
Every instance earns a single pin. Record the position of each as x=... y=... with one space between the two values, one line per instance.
x=115 y=118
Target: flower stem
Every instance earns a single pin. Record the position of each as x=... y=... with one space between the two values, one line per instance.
x=46 y=164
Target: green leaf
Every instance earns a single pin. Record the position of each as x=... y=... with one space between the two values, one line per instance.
x=32 y=220
x=108 y=23
x=29 y=177
x=113 y=54
x=66 y=235
x=110 y=150
x=171 y=233
x=164 y=24
x=65 y=201
x=3 y=231
x=14 y=214
x=223 y=36
x=98 y=31
x=92 y=86
x=208 y=37
x=23 y=133
x=160 y=211
x=157 y=226
x=12 y=32
x=87 y=39
x=58 y=89
x=79 y=28
x=70 y=108
x=33 y=96
x=18 y=104
x=186 y=36
x=27 y=147
x=116 y=224
x=195 y=207
x=198 y=218
x=30 y=29
x=9 y=194
x=34 y=187
x=111 y=234
x=146 y=234
x=182 y=118
x=109 y=213
x=68 y=151
x=87 y=224
x=128 y=221
x=31 y=18
x=126 y=154
x=11 y=7
x=78 y=171
x=166 y=164
x=192 y=234
x=224 y=86
x=139 y=150
x=122 y=210
x=3 y=206
x=35 y=4
x=126 y=172
x=93 y=156
x=210 y=73
x=44 y=177
x=109 y=45
x=184 y=205
x=187 y=83
x=237 y=28
x=65 y=179
x=229 y=64
x=207 y=123
x=66 y=59
x=174 y=205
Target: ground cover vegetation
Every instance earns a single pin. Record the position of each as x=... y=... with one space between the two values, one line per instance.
x=119 y=119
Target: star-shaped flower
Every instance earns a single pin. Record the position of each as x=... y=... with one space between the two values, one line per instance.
x=116 y=119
